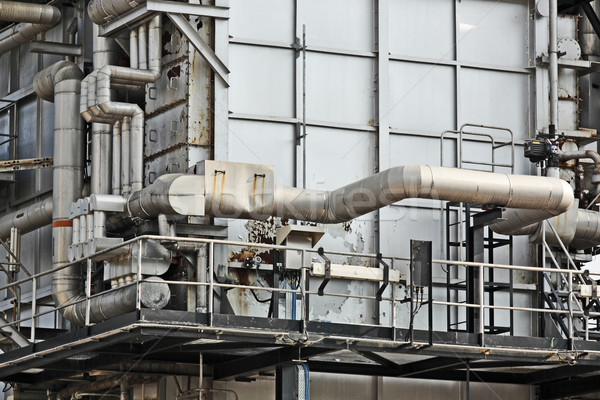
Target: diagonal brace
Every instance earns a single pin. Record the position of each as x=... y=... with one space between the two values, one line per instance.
x=203 y=48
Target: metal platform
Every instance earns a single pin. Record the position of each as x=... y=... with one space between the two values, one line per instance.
x=242 y=348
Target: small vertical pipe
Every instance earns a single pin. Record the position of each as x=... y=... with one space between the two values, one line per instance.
x=125 y=156
x=82 y=229
x=99 y=224
x=202 y=278
x=116 y=159
x=553 y=67
x=570 y=308
x=90 y=227
x=75 y=230
x=133 y=49
x=468 y=381
x=304 y=106
x=143 y=47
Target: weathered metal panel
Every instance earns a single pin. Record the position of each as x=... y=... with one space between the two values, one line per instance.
x=176 y=160
x=169 y=90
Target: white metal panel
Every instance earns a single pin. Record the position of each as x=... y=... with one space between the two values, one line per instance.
x=264 y=143
x=492 y=32
x=338 y=24
x=340 y=89
x=262 y=81
x=270 y=20
x=495 y=98
x=422 y=28
x=336 y=157
x=422 y=97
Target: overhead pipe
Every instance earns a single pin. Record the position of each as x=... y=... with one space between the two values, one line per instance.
x=103 y=11
x=34 y=18
x=542 y=197
x=15 y=11
x=28 y=218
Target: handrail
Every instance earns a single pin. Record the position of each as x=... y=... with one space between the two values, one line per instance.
x=300 y=290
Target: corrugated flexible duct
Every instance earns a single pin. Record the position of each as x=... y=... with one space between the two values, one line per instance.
x=34 y=18
x=541 y=197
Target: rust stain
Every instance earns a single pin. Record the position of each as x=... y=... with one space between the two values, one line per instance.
x=253 y=189
x=262 y=197
x=222 y=188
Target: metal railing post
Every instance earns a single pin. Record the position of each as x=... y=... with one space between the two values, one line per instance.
x=33 y=308
x=211 y=273
x=138 y=304
x=481 y=305
x=88 y=291
x=304 y=308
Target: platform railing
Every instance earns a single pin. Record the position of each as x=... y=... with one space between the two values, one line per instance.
x=302 y=291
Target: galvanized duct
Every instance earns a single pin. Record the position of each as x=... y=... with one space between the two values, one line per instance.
x=34 y=18
x=188 y=195
x=28 y=218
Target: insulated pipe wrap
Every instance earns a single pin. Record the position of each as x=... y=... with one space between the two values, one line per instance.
x=14 y=11
x=28 y=218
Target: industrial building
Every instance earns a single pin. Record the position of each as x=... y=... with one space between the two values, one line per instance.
x=299 y=199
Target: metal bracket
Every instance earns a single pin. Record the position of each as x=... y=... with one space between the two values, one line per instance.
x=386 y=276
x=327 y=277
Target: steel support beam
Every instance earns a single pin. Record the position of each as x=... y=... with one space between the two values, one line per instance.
x=188 y=9
x=203 y=48
x=592 y=17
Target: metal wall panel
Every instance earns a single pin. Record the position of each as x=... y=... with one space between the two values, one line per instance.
x=350 y=29
x=262 y=81
x=492 y=32
x=422 y=28
x=268 y=20
x=422 y=97
x=495 y=98
x=340 y=89
x=265 y=143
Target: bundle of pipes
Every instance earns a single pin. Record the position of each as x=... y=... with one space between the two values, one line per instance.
x=33 y=18
x=96 y=105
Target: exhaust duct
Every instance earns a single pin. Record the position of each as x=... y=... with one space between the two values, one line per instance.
x=34 y=18
x=234 y=190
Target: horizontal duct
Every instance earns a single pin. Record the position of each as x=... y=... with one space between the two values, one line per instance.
x=28 y=218
x=235 y=190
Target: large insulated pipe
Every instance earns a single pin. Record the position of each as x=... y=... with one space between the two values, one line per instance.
x=15 y=11
x=102 y=11
x=34 y=18
x=543 y=197
x=61 y=83
x=28 y=218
